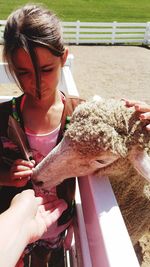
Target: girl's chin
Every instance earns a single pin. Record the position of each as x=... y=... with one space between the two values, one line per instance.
x=46 y=95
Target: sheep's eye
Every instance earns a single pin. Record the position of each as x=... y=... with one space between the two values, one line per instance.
x=101 y=161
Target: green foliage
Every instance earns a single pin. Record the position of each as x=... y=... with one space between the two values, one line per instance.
x=89 y=10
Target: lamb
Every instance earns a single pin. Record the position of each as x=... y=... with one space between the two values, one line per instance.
x=106 y=138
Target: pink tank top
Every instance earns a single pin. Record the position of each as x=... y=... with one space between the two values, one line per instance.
x=42 y=144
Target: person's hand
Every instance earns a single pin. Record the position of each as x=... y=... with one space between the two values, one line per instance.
x=143 y=107
x=20 y=172
x=37 y=214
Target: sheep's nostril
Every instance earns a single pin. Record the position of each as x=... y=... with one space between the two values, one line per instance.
x=38 y=183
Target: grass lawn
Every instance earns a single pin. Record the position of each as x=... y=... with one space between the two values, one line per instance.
x=89 y=10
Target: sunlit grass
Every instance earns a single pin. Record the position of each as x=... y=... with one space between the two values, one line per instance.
x=90 y=10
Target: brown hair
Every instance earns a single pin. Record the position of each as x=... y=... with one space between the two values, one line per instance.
x=28 y=27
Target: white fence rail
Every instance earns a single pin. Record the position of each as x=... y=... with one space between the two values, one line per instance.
x=101 y=32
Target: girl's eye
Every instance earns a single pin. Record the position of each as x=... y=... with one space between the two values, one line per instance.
x=21 y=73
x=47 y=70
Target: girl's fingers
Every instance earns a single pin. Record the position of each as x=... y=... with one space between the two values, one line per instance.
x=139 y=106
x=148 y=127
x=29 y=164
x=145 y=116
x=131 y=103
x=32 y=161
x=22 y=174
x=20 y=168
x=142 y=107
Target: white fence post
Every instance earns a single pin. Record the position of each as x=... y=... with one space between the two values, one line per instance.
x=146 y=40
x=69 y=62
x=78 y=32
x=114 y=32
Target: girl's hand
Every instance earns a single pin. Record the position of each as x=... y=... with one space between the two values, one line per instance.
x=20 y=172
x=142 y=107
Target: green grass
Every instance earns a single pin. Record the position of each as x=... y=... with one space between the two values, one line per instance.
x=89 y=10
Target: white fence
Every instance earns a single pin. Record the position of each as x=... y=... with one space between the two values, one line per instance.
x=102 y=32
x=106 y=33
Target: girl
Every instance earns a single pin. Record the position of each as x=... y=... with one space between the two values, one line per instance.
x=34 y=50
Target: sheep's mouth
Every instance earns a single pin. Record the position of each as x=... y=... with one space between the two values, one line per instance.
x=38 y=183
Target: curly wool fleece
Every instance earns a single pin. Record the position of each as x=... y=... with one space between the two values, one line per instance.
x=106 y=125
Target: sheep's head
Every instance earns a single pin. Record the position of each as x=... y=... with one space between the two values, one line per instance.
x=107 y=125
x=99 y=133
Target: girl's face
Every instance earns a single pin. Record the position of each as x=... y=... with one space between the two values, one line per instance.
x=49 y=69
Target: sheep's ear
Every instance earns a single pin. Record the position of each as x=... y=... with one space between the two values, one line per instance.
x=141 y=162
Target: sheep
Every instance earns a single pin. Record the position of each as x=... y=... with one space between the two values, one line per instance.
x=105 y=137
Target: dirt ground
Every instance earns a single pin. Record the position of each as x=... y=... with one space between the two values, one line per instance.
x=109 y=71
